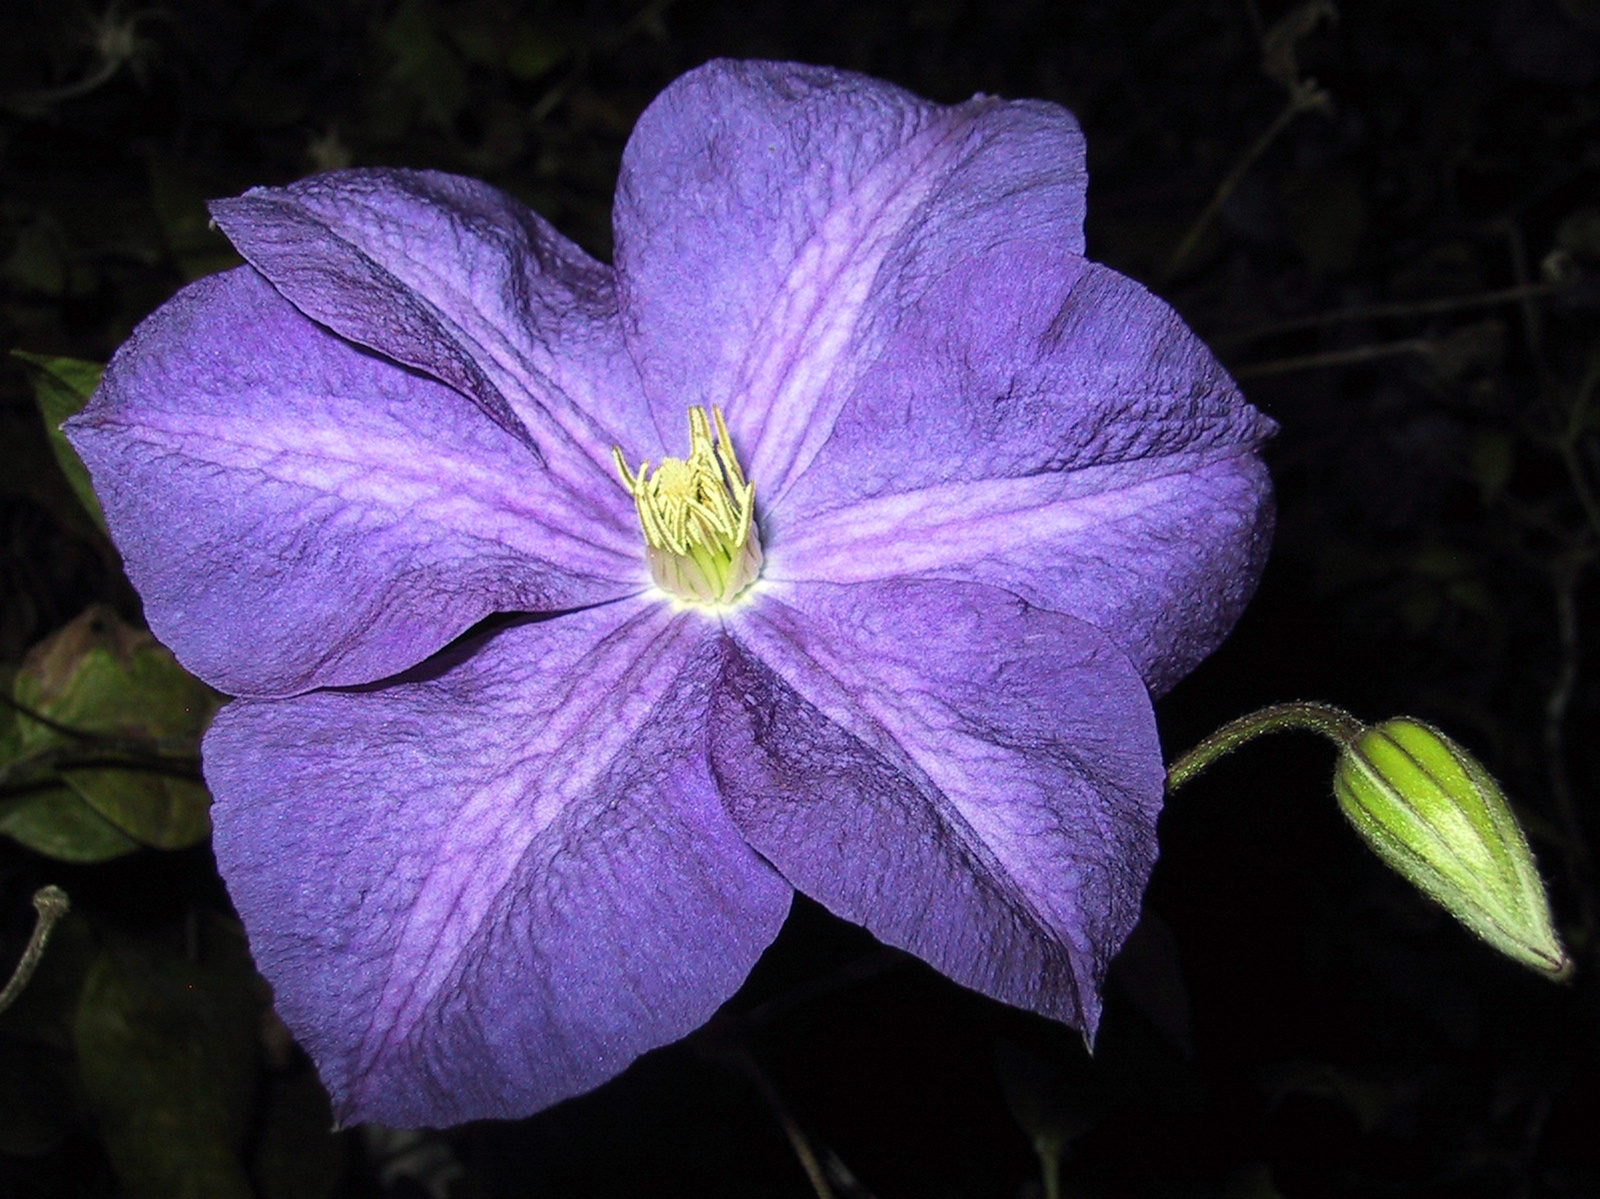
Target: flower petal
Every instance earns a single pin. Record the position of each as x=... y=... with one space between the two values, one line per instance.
x=457 y=279
x=492 y=886
x=759 y=203
x=1162 y=566
x=973 y=779
x=299 y=513
x=1053 y=429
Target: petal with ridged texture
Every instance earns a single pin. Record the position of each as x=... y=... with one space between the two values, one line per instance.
x=298 y=512
x=457 y=279
x=1051 y=428
x=972 y=779
x=761 y=204
x=492 y=885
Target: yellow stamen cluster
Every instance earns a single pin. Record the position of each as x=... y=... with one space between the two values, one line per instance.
x=698 y=516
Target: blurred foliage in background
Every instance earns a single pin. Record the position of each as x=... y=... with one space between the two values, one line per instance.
x=1386 y=219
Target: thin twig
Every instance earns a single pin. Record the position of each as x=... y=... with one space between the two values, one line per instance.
x=1303 y=98
x=1354 y=356
x=1532 y=319
x=1571 y=439
x=35 y=770
x=798 y=1141
x=1395 y=311
x=1576 y=853
x=51 y=904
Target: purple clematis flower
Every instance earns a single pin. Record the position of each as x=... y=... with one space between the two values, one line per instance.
x=939 y=504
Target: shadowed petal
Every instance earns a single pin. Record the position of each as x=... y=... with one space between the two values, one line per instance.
x=973 y=779
x=459 y=280
x=758 y=205
x=297 y=512
x=1054 y=431
x=480 y=892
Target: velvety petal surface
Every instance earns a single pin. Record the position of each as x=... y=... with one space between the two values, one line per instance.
x=974 y=779
x=459 y=280
x=479 y=892
x=1047 y=426
x=298 y=512
x=760 y=208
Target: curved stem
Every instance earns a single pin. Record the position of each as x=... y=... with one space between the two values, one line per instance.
x=1333 y=723
x=51 y=904
x=1303 y=97
x=798 y=1141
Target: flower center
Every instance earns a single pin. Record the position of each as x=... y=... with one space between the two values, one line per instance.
x=698 y=516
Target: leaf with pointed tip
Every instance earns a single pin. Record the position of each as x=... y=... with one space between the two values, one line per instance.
x=61 y=387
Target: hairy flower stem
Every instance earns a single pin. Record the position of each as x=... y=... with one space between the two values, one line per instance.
x=1333 y=723
x=51 y=904
x=1431 y=812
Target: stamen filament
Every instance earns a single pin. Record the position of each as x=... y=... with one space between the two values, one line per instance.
x=697 y=515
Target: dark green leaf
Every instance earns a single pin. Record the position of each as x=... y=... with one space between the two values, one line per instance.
x=1054 y=1103
x=62 y=386
x=99 y=675
x=38 y=260
x=1327 y=218
x=56 y=822
x=162 y=811
x=422 y=64
x=135 y=718
x=533 y=52
x=1370 y=1102
x=167 y=1053
x=1251 y=1181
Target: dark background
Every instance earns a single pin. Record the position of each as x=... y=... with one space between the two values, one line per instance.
x=1404 y=276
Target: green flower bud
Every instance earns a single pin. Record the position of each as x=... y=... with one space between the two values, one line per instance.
x=1431 y=811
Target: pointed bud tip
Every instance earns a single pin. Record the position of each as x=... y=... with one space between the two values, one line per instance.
x=1432 y=812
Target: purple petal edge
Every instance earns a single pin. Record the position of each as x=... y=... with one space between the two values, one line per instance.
x=297 y=512
x=972 y=779
x=480 y=892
